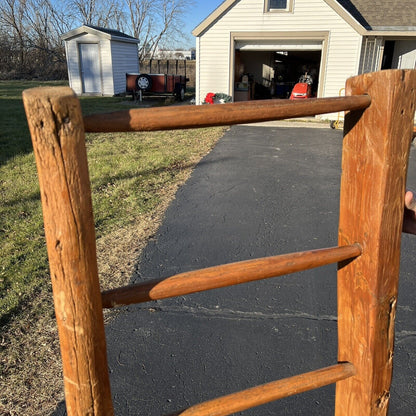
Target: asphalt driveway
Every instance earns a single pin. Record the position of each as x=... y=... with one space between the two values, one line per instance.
x=262 y=191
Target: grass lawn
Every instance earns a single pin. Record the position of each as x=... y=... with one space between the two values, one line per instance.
x=134 y=176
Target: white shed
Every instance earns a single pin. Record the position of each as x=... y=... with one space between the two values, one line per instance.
x=98 y=60
x=272 y=42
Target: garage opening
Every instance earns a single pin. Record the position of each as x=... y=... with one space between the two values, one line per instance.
x=271 y=71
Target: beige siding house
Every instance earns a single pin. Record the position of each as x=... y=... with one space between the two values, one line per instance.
x=253 y=49
x=98 y=60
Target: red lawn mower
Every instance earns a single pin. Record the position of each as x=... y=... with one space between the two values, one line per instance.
x=303 y=89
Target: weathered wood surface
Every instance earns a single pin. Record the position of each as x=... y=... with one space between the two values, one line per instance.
x=169 y=118
x=375 y=157
x=56 y=126
x=227 y=275
x=274 y=390
x=374 y=166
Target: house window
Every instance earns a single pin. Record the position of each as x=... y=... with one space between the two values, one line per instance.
x=278 y=5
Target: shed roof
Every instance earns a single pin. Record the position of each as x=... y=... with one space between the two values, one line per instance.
x=100 y=32
x=371 y=15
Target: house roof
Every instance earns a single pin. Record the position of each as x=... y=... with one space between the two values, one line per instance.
x=100 y=32
x=368 y=15
x=383 y=15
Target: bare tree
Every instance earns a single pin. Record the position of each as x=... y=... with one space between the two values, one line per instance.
x=12 y=19
x=103 y=13
x=30 y=33
x=47 y=23
x=85 y=9
x=31 y=30
x=156 y=21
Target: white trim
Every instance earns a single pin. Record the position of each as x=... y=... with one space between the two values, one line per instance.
x=197 y=72
x=86 y=29
x=346 y=16
x=222 y=8
x=391 y=34
x=279 y=44
x=319 y=36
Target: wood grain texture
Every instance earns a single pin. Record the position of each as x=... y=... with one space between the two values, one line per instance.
x=56 y=127
x=275 y=390
x=378 y=133
x=227 y=275
x=179 y=117
x=374 y=167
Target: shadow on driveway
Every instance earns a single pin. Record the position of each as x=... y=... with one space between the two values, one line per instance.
x=262 y=191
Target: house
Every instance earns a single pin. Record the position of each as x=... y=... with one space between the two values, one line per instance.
x=98 y=60
x=253 y=49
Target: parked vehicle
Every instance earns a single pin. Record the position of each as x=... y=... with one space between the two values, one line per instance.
x=303 y=89
x=164 y=84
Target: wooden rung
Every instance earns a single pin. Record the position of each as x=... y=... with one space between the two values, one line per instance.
x=227 y=275
x=269 y=392
x=169 y=118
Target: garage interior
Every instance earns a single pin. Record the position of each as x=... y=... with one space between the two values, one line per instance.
x=265 y=74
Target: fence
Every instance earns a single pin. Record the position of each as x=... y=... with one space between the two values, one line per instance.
x=170 y=66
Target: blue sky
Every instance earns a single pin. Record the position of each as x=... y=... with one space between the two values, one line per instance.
x=198 y=13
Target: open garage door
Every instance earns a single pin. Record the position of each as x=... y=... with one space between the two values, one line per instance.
x=269 y=68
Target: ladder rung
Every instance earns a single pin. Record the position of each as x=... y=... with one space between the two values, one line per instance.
x=169 y=118
x=227 y=275
x=269 y=392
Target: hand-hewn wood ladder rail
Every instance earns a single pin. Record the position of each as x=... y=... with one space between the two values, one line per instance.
x=375 y=154
x=265 y=393
x=227 y=275
x=169 y=118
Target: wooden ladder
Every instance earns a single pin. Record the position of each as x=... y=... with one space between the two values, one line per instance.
x=377 y=137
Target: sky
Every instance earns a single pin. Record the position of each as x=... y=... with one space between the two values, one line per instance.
x=198 y=13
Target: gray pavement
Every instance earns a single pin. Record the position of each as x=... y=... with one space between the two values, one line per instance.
x=263 y=190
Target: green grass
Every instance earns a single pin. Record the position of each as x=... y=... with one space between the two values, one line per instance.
x=133 y=178
x=128 y=175
x=14 y=133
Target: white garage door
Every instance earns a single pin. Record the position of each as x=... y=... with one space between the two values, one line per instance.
x=90 y=67
x=279 y=45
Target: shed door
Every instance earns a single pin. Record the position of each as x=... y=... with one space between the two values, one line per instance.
x=90 y=67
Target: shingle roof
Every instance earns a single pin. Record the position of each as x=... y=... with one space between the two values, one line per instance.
x=383 y=14
x=101 y=32
x=111 y=32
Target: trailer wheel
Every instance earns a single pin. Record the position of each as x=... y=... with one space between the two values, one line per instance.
x=180 y=93
x=144 y=82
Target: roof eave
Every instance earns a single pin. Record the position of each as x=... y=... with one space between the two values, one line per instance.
x=122 y=39
x=358 y=27
x=207 y=22
x=88 y=29
x=341 y=11
x=394 y=31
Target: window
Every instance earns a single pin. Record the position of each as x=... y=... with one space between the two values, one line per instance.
x=278 y=5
